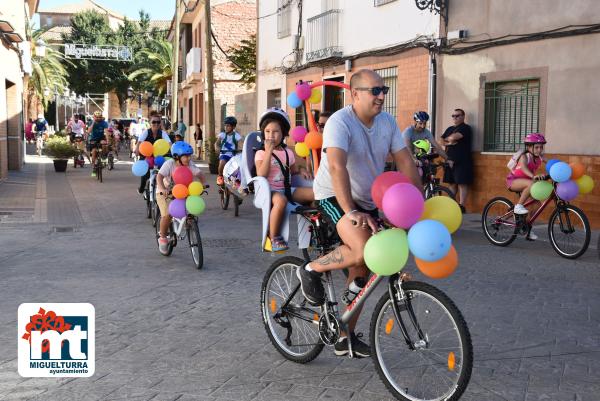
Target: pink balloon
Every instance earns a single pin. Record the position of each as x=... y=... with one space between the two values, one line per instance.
x=183 y=175
x=403 y=205
x=298 y=133
x=383 y=182
x=177 y=208
x=567 y=190
x=303 y=91
x=150 y=161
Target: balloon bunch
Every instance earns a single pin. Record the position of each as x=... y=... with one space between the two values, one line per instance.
x=187 y=194
x=429 y=224
x=154 y=156
x=305 y=140
x=570 y=178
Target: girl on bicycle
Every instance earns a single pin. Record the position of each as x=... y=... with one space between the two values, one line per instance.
x=522 y=175
x=277 y=163
x=182 y=155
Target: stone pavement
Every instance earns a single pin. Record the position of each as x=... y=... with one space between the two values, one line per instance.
x=166 y=331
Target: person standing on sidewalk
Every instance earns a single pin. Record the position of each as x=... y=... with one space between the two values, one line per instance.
x=198 y=138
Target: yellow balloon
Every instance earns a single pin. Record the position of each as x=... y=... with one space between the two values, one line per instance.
x=445 y=210
x=301 y=149
x=195 y=188
x=585 y=184
x=315 y=96
x=161 y=147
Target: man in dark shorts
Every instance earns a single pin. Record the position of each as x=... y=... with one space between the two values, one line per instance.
x=458 y=139
x=356 y=142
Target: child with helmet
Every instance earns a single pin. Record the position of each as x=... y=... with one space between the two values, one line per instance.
x=182 y=156
x=523 y=167
x=229 y=142
x=277 y=164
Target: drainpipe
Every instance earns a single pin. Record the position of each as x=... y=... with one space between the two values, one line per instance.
x=433 y=85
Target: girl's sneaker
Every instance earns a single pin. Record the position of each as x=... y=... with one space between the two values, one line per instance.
x=163 y=245
x=520 y=209
x=531 y=236
x=278 y=244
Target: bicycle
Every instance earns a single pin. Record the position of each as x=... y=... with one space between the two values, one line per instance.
x=225 y=193
x=420 y=343
x=175 y=233
x=99 y=164
x=501 y=225
x=39 y=143
x=150 y=196
x=431 y=184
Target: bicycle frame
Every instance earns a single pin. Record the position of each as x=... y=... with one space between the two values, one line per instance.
x=533 y=217
x=179 y=223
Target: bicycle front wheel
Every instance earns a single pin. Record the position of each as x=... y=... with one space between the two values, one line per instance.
x=291 y=323
x=569 y=231
x=438 y=190
x=438 y=367
x=499 y=222
x=225 y=195
x=193 y=234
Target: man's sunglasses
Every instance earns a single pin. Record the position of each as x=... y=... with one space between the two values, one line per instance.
x=456 y=115
x=321 y=125
x=155 y=122
x=376 y=90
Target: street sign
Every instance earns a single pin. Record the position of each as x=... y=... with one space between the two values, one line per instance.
x=98 y=52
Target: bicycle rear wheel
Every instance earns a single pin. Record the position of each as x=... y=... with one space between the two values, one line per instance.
x=440 y=363
x=439 y=190
x=499 y=222
x=193 y=234
x=291 y=323
x=225 y=195
x=569 y=231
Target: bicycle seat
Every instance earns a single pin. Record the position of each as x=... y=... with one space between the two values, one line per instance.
x=431 y=156
x=516 y=192
x=305 y=210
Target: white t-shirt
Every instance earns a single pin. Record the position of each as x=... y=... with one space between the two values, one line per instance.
x=77 y=127
x=164 y=135
x=134 y=129
x=227 y=143
x=169 y=166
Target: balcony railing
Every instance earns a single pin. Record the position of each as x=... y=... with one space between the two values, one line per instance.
x=193 y=62
x=323 y=36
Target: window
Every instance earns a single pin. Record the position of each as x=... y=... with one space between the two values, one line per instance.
x=284 y=18
x=390 y=79
x=48 y=20
x=511 y=112
x=274 y=98
x=378 y=3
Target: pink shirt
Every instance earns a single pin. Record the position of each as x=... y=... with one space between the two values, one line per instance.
x=275 y=177
x=533 y=163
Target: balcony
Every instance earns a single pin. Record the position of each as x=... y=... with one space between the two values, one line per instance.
x=193 y=65
x=323 y=36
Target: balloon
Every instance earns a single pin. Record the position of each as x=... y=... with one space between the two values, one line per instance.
x=315 y=96
x=158 y=161
x=314 y=140
x=578 y=169
x=386 y=252
x=294 y=101
x=301 y=149
x=151 y=162
x=177 y=208
x=403 y=204
x=429 y=240
x=303 y=91
x=146 y=148
x=161 y=147
x=139 y=168
x=567 y=190
x=383 y=182
x=541 y=190
x=298 y=133
x=195 y=188
x=550 y=163
x=183 y=175
x=441 y=268
x=445 y=210
x=195 y=205
x=560 y=172
x=585 y=184
x=180 y=191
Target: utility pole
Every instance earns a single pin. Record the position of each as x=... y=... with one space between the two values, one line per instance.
x=210 y=121
x=174 y=105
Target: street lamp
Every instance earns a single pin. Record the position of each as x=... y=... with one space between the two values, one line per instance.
x=40 y=48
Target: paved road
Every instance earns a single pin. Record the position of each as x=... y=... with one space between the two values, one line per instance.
x=166 y=331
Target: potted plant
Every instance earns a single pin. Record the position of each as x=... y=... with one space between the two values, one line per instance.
x=61 y=150
x=213 y=158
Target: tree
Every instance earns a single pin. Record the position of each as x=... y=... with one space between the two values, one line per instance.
x=155 y=65
x=243 y=60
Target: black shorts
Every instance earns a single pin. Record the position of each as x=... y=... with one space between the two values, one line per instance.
x=334 y=212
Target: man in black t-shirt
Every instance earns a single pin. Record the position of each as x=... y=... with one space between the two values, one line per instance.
x=458 y=140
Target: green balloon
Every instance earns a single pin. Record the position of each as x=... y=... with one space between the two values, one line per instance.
x=541 y=190
x=386 y=252
x=195 y=205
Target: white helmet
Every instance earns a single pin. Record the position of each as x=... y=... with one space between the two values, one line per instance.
x=278 y=114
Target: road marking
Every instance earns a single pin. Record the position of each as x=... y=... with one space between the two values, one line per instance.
x=40 y=214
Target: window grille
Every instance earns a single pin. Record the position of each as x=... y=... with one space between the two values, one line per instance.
x=390 y=79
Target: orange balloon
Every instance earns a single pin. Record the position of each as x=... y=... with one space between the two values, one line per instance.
x=578 y=170
x=180 y=191
x=313 y=140
x=146 y=148
x=440 y=268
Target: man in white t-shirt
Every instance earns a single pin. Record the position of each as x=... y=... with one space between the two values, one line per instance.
x=356 y=142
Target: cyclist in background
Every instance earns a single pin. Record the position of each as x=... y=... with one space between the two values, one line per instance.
x=228 y=143
x=98 y=133
x=77 y=128
x=151 y=135
x=40 y=127
x=417 y=132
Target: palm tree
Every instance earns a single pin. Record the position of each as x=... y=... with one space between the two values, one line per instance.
x=48 y=72
x=156 y=65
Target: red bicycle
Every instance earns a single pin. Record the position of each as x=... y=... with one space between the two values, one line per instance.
x=568 y=227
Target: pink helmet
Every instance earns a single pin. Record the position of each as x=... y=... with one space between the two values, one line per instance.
x=534 y=138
